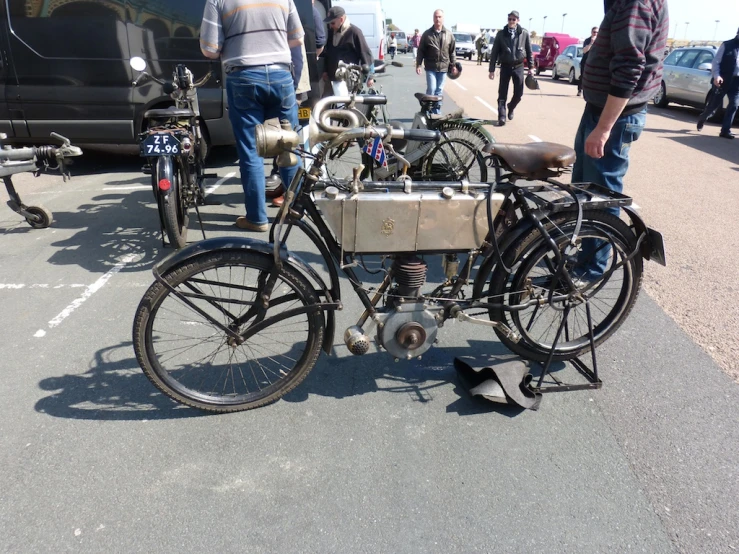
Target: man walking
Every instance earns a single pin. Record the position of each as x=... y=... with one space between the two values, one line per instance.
x=345 y=42
x=623 y=72
x=512 y=47
x=436 y=53
x=259 y=83
x=480 y=44
x=414 y=42
x=725 y=73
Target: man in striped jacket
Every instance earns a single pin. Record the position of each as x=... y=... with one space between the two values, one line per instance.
x=622 y=73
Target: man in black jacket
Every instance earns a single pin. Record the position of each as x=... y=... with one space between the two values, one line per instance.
x=725 y=73
x=512 y=47
x=345 y=42
x=436 y=52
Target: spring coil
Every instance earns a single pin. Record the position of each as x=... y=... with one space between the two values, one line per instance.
x=46 y=154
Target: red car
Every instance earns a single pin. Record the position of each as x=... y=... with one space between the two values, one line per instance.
x=552 y=45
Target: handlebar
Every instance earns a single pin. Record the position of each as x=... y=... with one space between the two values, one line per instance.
x=35 y=158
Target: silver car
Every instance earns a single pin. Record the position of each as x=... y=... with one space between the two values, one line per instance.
x=686 y=78
x=465 y=45
x=568 y=64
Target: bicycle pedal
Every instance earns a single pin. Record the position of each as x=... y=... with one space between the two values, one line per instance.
x=210 y=175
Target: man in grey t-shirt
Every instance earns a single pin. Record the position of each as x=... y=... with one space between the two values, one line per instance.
x=253 y=41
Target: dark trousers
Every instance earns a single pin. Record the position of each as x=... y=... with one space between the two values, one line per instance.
x=730 y=88
x=508 y=73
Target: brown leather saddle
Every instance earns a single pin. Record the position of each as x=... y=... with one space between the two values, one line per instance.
x=535 y=160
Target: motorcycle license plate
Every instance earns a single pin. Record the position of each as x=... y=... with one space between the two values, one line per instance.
x=303 y=113
x=160 y=144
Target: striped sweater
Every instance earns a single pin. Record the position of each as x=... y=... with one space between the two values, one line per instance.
x=626 y=59
x=250 y=32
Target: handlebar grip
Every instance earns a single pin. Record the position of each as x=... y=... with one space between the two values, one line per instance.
x=372 y=99
x=421 y=135
x=168 y=87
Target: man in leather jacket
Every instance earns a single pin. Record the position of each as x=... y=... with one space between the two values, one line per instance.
x=725 y=73
x=512 y=47
x=436 y=52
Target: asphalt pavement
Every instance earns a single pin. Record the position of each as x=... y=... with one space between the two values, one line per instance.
x=366 y=455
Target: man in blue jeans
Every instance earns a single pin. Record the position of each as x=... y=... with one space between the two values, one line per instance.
x=436 y=53
x=259 y=82
x=623 y=71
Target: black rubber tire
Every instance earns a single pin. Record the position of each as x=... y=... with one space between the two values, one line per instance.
x=660 y=100
x=464 y=131
x=524 y=256
x=173 y=209
x=537 y=71
x=454 y=160
x=571 y=77
x=188 y=358
x=43 y=215
x=554 y=73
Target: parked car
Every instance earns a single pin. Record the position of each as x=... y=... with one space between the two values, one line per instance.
x=401 y=39
x=552 y=45
x=568 y=63
x=65 y=68
x=686 y=78
x=465 y=44
x=535 y=49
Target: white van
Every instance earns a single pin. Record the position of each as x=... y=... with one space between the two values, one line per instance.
x=370 y=17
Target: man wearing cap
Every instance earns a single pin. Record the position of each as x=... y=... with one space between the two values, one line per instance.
x=345 y=42
x=512 y=47
x=437 y=53
x=259 y=82
x=725 y=74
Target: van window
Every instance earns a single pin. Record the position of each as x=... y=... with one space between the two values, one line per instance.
x=44 y=28
x=366 y=22
x=172 y=25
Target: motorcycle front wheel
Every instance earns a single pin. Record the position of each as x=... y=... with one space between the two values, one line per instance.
x=190 y=358
x=609 y=299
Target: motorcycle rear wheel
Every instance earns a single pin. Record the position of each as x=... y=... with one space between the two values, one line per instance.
x=611 y=298
x=174 y=211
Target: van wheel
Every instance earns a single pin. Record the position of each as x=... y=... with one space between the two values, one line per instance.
x=660 y=99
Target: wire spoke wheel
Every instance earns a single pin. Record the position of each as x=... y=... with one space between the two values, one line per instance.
x=341 y=161
x=609 y=296
x=453 y=160
x=186 y=353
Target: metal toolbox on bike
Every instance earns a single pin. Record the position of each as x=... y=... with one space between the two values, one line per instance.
x=383 y=222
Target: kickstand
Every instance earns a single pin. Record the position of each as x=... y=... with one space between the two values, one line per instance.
x=590 y=374
x=200 y=220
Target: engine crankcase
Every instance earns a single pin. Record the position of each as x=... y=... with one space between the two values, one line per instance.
x=409 y=330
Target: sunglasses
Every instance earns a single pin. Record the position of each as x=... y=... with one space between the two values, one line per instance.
x=512 y=19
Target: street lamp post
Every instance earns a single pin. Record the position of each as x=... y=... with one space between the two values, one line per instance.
x=686 y=29
x=716 y=29
x=674 y=35
x=563 y=22
x=544 y=25
x=530 y=18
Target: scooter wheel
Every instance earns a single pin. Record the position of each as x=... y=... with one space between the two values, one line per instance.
x=41 y=217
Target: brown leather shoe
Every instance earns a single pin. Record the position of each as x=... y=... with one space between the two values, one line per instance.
x=243 y=223
x=275 y=192
x=279 y=201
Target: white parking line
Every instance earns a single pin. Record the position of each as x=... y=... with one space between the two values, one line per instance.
x=89 y=291
x=460 y=86
x=134 y=187
x=535 y=138
x=488 y=106
x=220 y=181
x=18 y=286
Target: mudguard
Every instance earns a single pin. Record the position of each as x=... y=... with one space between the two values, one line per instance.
x=653 y=248
x=194 y=250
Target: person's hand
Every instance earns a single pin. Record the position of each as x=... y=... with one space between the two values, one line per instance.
x=370 y=82
x=596 y=142
x=491 y=75
x=718 y=81
x=454 y=70
x=418 y=70
x=531 y=72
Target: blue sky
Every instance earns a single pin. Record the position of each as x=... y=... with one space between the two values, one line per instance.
x=581 y=15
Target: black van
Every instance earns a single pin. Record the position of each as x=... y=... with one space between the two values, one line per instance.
x=65 y=66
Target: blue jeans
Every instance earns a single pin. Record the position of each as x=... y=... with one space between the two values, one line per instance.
x=435 y=86
x=255 y=95
x=730 y=88
x=608 y=171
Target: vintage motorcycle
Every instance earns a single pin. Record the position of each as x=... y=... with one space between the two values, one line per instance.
x=235 y=323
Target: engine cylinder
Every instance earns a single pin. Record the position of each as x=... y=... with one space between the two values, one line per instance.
x=410 y=275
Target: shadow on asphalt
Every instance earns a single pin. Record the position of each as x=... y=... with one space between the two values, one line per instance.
x=706 y=141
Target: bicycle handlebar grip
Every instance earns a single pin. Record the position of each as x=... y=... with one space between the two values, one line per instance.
x=373 y=99
x=421 y=135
